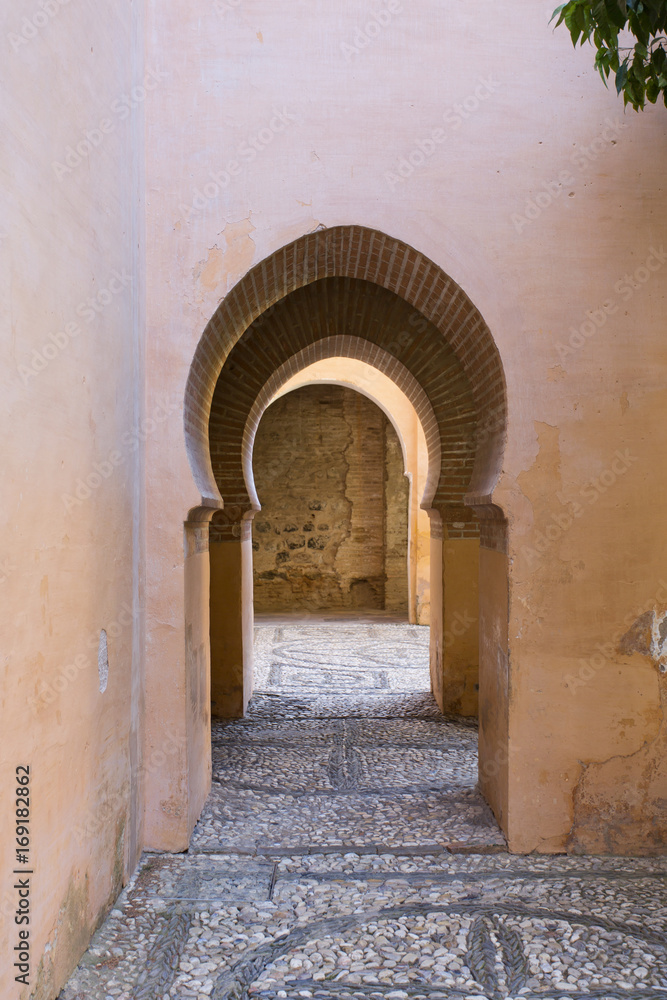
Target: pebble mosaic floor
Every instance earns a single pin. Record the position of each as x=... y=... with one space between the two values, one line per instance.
x=345 y=854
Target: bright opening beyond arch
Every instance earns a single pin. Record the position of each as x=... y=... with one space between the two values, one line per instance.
x=385 y=393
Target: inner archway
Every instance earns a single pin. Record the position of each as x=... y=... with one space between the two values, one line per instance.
x=331 y=553
x=369 y=380
x=332 y=537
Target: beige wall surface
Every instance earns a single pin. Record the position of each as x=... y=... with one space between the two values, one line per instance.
x=474 y=134
x=71 y=506
x=518 y=174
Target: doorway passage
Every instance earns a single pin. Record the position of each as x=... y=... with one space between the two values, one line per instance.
x=356 y=294
x=343 y=748
x=334 y=531
x=341 y=574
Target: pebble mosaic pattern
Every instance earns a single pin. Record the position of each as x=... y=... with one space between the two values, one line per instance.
x=345 y=854
x=336 y=659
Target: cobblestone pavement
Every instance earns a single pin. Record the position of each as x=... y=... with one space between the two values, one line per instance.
x=345 y=853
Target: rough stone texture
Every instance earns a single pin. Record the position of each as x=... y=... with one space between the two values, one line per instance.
x=333 y=529
x=421 y=459
x=396 y=505
x=294 y=887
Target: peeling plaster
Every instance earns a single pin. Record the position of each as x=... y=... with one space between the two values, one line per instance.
x=230 y=257
x=620 y=804
x=542 y=478
x=556 y=374
x=647 y=636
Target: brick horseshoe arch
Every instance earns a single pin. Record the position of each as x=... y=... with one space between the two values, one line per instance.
x=370 y=256
x=357 y=283
x=360 y=350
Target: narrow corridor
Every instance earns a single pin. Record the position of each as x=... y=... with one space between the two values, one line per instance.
x=345 y=852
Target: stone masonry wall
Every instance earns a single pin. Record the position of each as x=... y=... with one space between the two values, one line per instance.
x=332 y=532
x=396 y=498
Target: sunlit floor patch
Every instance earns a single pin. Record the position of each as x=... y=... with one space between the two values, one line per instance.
x=362 y=658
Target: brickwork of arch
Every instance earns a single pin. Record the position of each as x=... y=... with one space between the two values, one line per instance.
x=437 y=304
x=360 y=350
x=335 y=308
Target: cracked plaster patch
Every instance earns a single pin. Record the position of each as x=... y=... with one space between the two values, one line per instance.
x=647 y=636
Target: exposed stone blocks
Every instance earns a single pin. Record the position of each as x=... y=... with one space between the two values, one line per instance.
x=333 y=528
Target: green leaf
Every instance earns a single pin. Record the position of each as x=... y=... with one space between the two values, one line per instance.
x=652 y=91
x=559 y=13
x=621 y=76
x=641 y=76
x=614 y=13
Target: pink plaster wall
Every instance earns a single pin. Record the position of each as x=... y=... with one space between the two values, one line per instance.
x=537 y=197
x=537 y=194
x=72 y=554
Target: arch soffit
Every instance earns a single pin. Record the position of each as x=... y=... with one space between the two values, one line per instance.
x=371 y=354
x=351 y=251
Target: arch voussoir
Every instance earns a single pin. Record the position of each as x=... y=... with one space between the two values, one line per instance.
x=356 y=253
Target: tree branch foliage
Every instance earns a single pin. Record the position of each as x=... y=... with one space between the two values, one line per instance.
x=641 y=70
